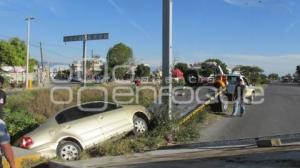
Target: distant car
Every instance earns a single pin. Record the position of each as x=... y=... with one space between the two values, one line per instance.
x=297 y=80
x=249 y=92
x=76 y=79
x=286 y=80
x=74 y=129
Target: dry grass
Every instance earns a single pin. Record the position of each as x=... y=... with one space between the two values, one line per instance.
x=37 y=107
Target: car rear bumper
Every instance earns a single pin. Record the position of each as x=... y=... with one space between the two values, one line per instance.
x=47 y=151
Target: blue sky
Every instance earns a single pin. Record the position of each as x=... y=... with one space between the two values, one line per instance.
x=265 y=33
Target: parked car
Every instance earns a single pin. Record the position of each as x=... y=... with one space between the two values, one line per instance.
x=286 y=80
x=249 y=92
x=207 y=73
x=74 y=129
x=75 y=79
x=297 y=80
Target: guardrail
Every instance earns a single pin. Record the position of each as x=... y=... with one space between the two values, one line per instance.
x=199 y=109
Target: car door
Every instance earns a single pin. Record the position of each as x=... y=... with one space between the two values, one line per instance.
x=114 y=121
x=248 y=89
x=80 y=124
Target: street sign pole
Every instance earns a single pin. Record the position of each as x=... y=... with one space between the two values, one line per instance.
x=84 y=60
x=84 y=38
x=167 y=52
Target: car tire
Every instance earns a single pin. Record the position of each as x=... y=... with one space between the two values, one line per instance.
x=223 y=107
x=220 y=106
x=140 y=126
x=68 y=151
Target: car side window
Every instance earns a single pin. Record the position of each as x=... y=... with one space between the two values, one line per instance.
x=68 y=115
x=76 y=113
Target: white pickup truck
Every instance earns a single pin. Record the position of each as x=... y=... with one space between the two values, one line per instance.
x=232 y=82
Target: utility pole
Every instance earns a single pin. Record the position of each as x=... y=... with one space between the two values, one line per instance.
x=93 y=63
x=28 y=19
x=84 y=60
x=42 y=57
x=167 y=51
x=41 y=76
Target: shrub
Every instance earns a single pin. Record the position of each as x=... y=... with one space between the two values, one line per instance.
x=156 y=138
x=19 y=122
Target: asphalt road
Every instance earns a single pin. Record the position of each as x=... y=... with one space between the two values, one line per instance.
x=278 y=115
x=229 y=157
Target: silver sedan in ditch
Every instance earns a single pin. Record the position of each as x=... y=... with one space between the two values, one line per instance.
x=74 y=129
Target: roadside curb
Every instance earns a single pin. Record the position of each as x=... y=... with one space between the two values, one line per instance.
x=286 y=139
x=199 y=109
x=19 y=160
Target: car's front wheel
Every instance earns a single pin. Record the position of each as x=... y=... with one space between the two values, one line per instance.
x=68 y=151
x=140 y=125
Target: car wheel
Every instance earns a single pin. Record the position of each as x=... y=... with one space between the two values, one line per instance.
x=221 y=105
x=68 y=151
x=140 y=125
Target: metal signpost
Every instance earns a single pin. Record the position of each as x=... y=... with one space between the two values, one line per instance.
x=84 y=38
x=167 y=51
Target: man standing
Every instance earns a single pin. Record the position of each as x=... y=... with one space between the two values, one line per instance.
x=5 y=146
x=4 y=136
x=238 y=97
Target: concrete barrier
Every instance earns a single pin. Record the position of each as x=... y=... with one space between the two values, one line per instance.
x=276 y=142
x=20 y=156
x=199 y=109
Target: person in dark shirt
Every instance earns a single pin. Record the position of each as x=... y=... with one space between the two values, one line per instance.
x=2 y=97
x=5 y=146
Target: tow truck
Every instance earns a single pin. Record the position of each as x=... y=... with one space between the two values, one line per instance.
x=209 y=74
x=206 y=74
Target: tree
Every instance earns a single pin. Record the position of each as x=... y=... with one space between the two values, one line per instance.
x=273 y=76
x=120 y=54
x=298 y=70
x=220 y=63
x=19 y=51
x=62 y=75
x=142 y=71
x=253 y=73
x=13 y=52
x=32 y=64
x=182 y=66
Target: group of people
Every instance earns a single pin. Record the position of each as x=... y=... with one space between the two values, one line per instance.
x=5 y=146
